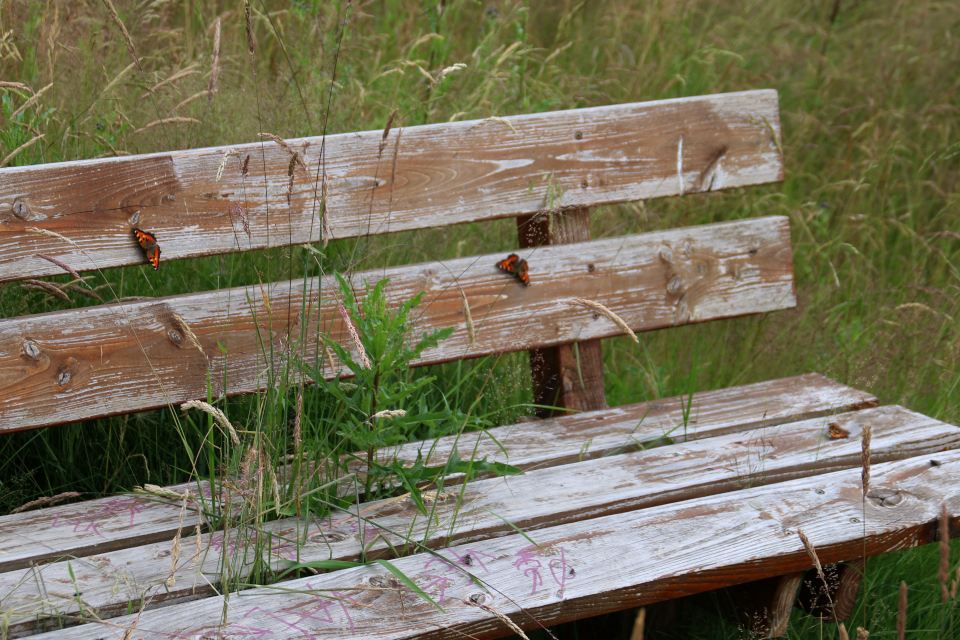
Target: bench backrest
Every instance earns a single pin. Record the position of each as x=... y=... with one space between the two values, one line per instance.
x=545 y=169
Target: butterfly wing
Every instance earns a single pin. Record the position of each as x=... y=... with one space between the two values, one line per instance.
x=509 y=264
x=837 y=432
x=154 y=257
x=148 y=242
x=522 y=273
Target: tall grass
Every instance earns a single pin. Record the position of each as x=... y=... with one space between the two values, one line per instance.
x=868 y=100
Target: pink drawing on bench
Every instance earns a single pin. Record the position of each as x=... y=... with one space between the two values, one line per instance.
x=443 y=581
x=108 y=509
x=529 y=562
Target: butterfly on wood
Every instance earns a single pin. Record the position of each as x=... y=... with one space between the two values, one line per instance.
x=148 y=242
x=516 y=266
x=836 y=431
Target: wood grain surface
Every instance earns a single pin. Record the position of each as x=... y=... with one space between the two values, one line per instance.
x=489 y=508
x=98 y=526
x=416 y=178
x=113 y=359
x=584 y=568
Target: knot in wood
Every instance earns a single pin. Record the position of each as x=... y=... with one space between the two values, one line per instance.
x=21 y=210
x=31 y=350
x=66 y=371
x=175 y=337
x=885 y=497
x=477 y=598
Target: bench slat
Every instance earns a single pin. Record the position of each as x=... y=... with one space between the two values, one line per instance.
x=425 y=176
x=539 y=499
x=112 y=359
x=588 y=567
x=98 y=526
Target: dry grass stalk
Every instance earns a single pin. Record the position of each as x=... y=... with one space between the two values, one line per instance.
x=902 y=612
x=218 y=416
x=330 y=361
x=163 y=121
x=953 y=584
x=842 y=632
x=386 y=131
x=943 y=574
x=157 y=490
x=387 y=414
x=637 y=633
x=82 y=291
x=498 y=119
x=26 y=145
x=59 y=263
x=29 y=103
x=187 y=101
x=189 y=71
x=123 y=29
x=175 y=549
x=15 y=85
x=274 y=484
x=865 y=458
x=808 y=546
x=443 y=74
x=215 y=63
x=51 y=234
x=602 y=310
x=251 y=43
x=223 y=162
x=348 y=322
x=298 y=423
x=510 y=623
x=184 y=328
x=46 y=501
x=466 y=314
x=237 y=210
x=47 y=287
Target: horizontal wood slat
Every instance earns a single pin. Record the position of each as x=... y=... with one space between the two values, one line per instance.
x=112 y=359
x=539 y=499
x=588 y=567
x=416 y=178
x=98 y=526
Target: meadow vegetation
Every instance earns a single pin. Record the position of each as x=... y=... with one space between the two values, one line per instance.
x=868 y=94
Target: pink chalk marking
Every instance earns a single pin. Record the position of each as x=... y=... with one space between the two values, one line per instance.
x=91 y=521
x=530 y=564
x=443 y=581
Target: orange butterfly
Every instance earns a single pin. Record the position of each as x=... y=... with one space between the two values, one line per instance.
x=837 y=432
x=148 y=242
x=513 y=264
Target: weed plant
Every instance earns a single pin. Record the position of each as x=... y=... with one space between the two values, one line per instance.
x=868 y=94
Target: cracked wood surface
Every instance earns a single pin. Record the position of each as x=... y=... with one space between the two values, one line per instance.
x=111 y=359
x=587 y=567
x=418 y=177
x=106 y=524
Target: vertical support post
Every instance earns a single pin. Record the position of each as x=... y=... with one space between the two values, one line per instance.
x=568 y=377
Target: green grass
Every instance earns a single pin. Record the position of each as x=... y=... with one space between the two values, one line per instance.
x=870 y=134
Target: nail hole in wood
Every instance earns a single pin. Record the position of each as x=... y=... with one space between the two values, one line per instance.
x=753 y=252
x=583 y=183
x=590 y=267
x=578 y=135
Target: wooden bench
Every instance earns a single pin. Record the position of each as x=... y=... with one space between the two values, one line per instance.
x=618 y=507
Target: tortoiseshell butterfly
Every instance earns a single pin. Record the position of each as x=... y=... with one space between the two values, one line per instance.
x=836 y=431
x=514 y=265
x=148 y=242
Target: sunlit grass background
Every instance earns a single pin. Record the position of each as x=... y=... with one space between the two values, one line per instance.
x=869 y=106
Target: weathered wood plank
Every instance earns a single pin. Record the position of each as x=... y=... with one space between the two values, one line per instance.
x=112 y=359
x=584 y=568
x=542 y=498
x=98 y=526
x=416 y=178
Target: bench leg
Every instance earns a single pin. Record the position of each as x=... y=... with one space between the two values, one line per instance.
x=764 y=606
x=842 y=586
x=569 y=376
